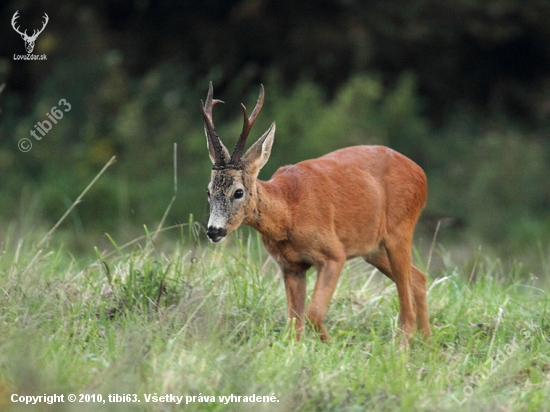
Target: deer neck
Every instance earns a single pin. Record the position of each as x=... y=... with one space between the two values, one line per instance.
x=269 y=212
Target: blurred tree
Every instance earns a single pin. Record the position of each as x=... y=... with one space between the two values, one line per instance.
x=493 y=55
x=440 y=81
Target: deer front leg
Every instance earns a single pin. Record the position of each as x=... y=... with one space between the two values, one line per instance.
x=295 y=287
x=327 y=278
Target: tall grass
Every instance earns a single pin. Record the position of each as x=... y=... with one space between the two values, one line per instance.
x=202 y=320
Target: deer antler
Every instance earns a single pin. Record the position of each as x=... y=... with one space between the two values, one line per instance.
x=13 y=21
x=35 y=32
x=209 y=128
x=248 y=123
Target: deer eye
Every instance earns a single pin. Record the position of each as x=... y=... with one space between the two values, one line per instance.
x=238 y=194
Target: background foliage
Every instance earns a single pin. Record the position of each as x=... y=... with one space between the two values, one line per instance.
x=461 y=86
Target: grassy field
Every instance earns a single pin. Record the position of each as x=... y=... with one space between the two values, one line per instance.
x=205 y=322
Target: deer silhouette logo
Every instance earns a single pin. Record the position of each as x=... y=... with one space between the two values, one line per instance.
x=29 y=40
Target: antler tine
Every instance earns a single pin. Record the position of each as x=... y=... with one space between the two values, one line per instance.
x=211 y=132
x=247 y=126
x=210 y=101
x=13 y=22
x=46 y=20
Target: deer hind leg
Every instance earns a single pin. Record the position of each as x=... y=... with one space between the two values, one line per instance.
x=416 y=285
x=295 y=287
x=418 y=281
x=327 y=277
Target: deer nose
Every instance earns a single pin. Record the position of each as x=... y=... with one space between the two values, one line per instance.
x=216 y=233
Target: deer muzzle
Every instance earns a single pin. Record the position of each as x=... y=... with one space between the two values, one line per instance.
x=215 y=234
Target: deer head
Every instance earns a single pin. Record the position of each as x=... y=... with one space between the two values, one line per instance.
x=29 y=40
x=232 y=189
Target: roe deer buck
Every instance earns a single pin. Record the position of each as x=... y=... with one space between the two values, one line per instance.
x=358 y=201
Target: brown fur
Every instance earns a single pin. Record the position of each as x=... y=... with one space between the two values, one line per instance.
x=358 y=201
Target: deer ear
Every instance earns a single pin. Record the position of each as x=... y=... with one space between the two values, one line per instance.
x=258 y=154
